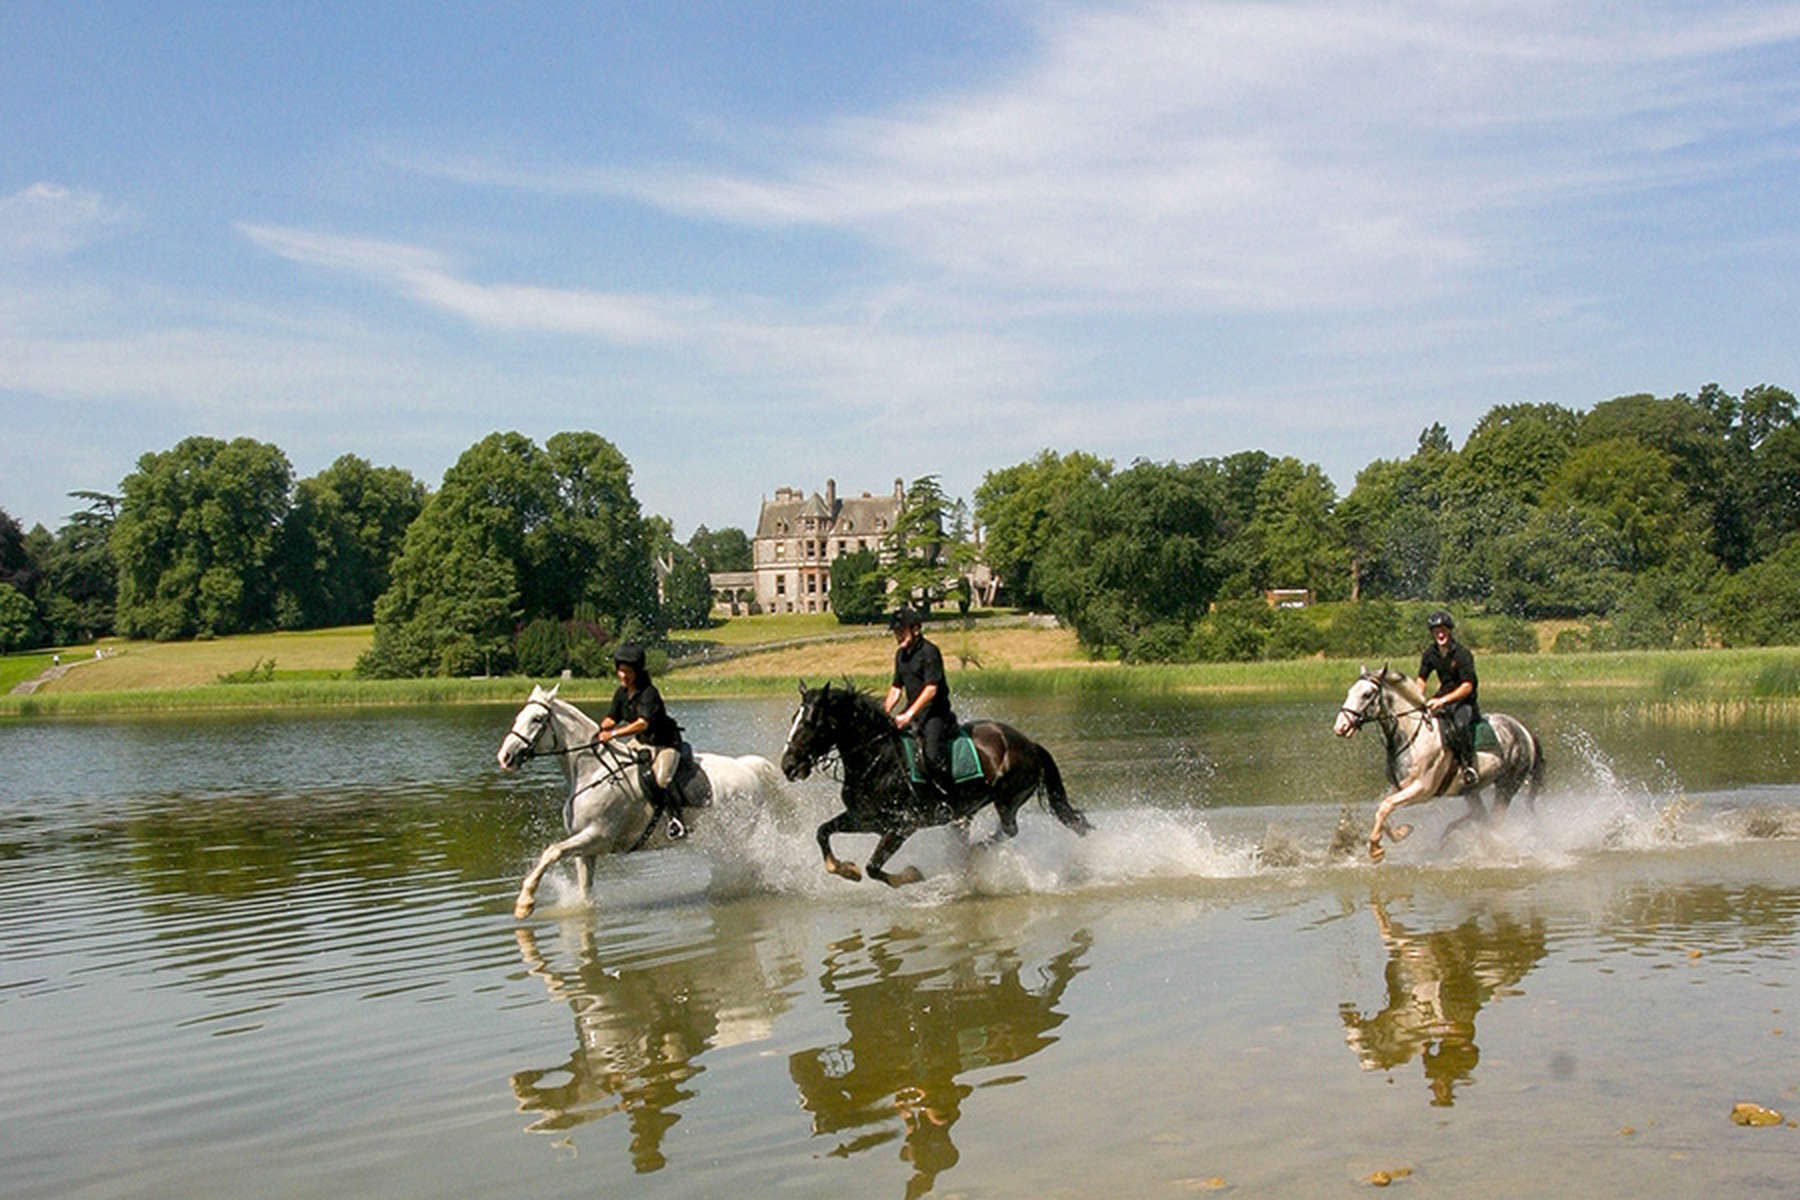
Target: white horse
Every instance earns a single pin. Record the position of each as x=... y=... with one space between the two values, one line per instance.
x=1420 y=766
x=607 y=810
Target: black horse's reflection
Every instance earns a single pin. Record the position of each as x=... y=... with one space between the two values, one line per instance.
x=1437 y=981
x=920 y=1018
x=640 y=1032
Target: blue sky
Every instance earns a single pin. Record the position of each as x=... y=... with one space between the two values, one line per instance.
x=765 y=244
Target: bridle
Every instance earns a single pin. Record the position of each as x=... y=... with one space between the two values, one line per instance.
x=831 y=763
x=612 y=759
x=1385 y=715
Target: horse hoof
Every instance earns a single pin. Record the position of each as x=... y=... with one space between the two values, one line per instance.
x=1376 y=853
x=900 y=879
x=522 y=909
x=845 y=870
x=1400 y=832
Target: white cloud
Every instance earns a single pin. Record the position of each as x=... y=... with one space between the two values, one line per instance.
x=48 y=220
x=1254 y=157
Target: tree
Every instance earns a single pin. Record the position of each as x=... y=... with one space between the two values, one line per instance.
x=197 y=536
x=1014 y=506
x=914 y=547
x=1515 y=450
x=80 y=582
x=514 y=533
x=1134 y=565
x=1632 y=489
x=687 y=592
x=17 y=617
x=16 y=567
x=858 y=588
x=595 y=546
x=340 y=539
x=1760 y=605
x=722 y=550
x=1295 y=542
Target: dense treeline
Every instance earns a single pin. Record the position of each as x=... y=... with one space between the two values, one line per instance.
x=1645 y=521
x=1654 y=522
x=526 y=558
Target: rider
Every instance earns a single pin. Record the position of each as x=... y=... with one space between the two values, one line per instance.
x=919 y=680
x=638 y=711
x=1457 y=686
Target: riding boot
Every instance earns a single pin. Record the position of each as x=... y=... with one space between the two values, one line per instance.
x=662 y=801
x=942 y=793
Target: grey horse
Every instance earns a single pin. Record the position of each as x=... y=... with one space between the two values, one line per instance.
x=1419 y=766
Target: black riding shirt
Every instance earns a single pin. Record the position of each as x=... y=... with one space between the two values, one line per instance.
x=661 y=730
x=1454 y=666
x=916 y=666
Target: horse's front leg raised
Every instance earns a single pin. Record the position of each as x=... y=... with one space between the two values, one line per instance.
x=581 y=843
x=1418 y=789
x=844 y=822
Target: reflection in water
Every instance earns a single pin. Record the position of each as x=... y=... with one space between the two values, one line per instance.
x=1437 y=980
x=641 y=1030
x=916 y=1025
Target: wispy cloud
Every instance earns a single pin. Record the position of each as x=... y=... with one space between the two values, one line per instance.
x=845 y=357
x=1255 y=157
x=49 y=220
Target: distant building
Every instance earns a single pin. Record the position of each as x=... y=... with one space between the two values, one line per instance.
x=797 y=538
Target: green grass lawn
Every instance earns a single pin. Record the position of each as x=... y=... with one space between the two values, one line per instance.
x=315 y=669
x=17 y=668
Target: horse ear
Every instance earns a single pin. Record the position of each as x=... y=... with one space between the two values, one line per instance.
x=802 y=684
x=551 y=694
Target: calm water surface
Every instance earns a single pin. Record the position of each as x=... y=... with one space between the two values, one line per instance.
x=274 y=956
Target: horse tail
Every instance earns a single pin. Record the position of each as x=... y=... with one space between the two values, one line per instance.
x=1058 y=796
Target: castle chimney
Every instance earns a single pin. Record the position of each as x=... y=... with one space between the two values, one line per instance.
x=831 y=496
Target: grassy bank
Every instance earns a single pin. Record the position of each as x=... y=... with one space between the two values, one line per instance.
x=313 y=670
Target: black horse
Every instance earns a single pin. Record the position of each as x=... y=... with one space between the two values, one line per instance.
x=878 y=793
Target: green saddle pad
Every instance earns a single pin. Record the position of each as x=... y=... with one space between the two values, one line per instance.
x=1485 y=738
x=965 y=764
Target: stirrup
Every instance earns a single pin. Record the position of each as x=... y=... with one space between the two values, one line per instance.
x=677 y=830
x=1470 y=776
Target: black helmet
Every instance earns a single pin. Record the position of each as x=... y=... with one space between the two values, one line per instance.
x=904 y=618
x=1440 y=617
x=631 y=654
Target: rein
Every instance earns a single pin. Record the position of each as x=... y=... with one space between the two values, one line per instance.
x=613 y=762
x=828 y=763
x=1388 y=718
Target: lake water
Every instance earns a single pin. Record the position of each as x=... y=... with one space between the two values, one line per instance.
x=274 y=956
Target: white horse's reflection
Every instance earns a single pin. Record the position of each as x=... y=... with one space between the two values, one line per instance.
x=641 y=1030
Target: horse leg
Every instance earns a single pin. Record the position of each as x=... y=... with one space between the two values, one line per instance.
x=884 y=850
x=1415 y=791
x=584 y=873
x=552 y=854
x=1476 y=813
x=844 y=822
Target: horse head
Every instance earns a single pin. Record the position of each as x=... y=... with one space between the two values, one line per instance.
x=810 y=736
x=1362 y=703
x=528 y=726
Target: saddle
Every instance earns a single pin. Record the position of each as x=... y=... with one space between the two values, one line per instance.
x=965 y=762
x=688 y=787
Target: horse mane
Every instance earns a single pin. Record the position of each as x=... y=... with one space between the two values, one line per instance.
x=1405 y=684
x=863 y=706
x=562 y=707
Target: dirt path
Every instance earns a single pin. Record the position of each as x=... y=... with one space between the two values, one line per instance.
x=26 y=687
